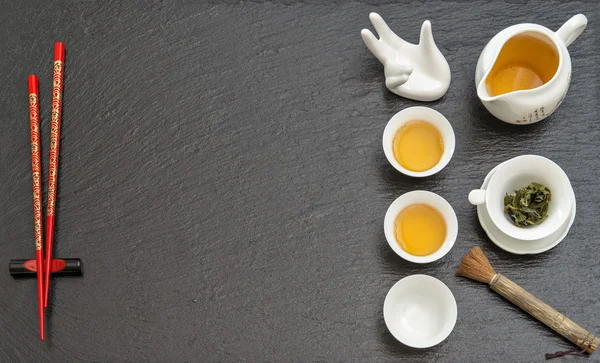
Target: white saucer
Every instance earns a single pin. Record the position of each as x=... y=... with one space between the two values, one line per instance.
x=517 y=246
x=420 y=311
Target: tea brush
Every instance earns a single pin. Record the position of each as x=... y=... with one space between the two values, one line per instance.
x=476 y=266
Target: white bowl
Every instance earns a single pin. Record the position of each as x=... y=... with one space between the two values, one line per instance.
x=419 y=113
x=518 y=173
x=420 y=311
x=433 y=200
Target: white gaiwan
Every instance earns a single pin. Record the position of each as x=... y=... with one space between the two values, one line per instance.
x=416 y=71
x=518 y=173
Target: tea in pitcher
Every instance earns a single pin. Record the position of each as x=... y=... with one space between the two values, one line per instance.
x=526 y=61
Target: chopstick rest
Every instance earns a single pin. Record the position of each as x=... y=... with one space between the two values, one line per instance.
x=58 y=267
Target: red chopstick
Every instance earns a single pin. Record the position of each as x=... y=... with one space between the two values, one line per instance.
x=57 y=90
x=36 y=171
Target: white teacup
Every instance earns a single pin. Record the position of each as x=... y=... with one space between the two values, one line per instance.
x=518 y=173
x=433 y=200
x=420 y=311
x=419 y=113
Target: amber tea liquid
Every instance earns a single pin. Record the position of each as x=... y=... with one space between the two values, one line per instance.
x=418 y=145
x=525 y=62
x=420 y=229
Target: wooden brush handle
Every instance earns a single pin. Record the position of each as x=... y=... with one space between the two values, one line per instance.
x=544 y=313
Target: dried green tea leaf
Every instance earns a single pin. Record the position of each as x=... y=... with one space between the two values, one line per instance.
x=529 y=205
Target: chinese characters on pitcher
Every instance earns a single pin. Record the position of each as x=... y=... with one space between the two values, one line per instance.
x=533 y=116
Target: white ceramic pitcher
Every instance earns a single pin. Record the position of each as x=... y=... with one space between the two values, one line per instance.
x=532 y=105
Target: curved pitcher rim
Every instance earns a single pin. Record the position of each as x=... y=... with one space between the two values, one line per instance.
x=536 y=29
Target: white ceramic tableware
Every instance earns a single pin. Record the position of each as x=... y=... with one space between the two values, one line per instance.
x=518 y=173
x=419 y=113
x=517 y=246
x=420 y=311
x=416 y=71
x=430 y=199
x=533 y=105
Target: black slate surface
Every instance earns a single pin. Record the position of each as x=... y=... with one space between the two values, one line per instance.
x=221 y=176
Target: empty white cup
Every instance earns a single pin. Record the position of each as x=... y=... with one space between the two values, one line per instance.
x=420 y=311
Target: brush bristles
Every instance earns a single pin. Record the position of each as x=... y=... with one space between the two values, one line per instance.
x=476 y=266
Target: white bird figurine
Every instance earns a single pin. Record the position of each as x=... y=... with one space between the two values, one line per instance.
x=419 y=72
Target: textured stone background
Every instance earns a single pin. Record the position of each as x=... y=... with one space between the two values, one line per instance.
x=221 y=176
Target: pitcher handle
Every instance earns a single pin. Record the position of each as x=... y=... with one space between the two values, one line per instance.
x=571 y=29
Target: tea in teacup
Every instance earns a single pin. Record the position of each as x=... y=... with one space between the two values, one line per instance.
x=420 y=229
x=418 y=145
x=525 y=62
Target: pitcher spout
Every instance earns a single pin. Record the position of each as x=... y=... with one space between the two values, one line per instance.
x=498 y=102
x=482 y=92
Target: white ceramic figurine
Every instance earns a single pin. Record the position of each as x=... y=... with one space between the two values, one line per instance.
x=419 y=72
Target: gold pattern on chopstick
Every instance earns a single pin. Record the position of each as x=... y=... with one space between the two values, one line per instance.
x=57 y=87
x=36 y=170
